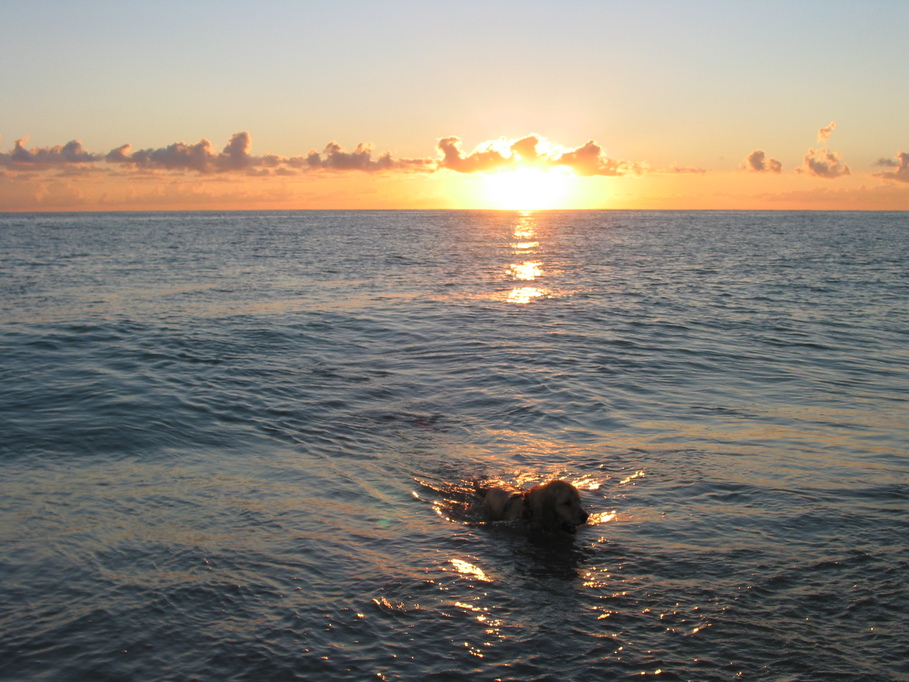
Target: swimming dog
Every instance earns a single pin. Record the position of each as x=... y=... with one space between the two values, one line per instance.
x=556 y=505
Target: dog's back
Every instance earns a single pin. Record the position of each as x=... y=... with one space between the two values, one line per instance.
x=500 y=504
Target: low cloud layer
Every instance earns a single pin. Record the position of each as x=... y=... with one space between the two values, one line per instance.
x=533 y=151
x=236 y=157
x=42 y=157
x=335 y=158
x=586 y=160
x=186 y=157
x=201 y=158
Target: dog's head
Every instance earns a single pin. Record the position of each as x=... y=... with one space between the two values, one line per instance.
x=557 y=506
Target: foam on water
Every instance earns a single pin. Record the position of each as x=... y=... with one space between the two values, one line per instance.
x=241 y=445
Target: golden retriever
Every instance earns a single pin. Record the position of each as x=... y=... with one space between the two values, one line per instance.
x=555 y=506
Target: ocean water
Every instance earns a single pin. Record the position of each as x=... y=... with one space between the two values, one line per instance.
x=241 y=446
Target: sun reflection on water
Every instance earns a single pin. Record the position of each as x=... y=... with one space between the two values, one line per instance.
x=492 y=627
x=523 y=246
x=586 y=483
x=597 y=518
x=525 y=227
x=631 y=477
x=525 y=294
x=527 y=271
x=469 y=570
x=524 y=233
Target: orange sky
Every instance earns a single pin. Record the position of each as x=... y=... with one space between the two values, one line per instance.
x=702 y=104
x=524 y=173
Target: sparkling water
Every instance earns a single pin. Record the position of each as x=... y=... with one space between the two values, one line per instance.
x=242 y=446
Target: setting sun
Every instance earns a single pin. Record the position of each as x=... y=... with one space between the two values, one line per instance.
x=289 y=287
x=529 y=136
x=529 y=189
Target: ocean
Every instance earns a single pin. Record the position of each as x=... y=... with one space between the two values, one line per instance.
x=243 y=445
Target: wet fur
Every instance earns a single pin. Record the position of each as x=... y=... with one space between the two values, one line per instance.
x=556 y=505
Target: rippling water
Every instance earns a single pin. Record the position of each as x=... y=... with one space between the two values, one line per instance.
x=241 y=445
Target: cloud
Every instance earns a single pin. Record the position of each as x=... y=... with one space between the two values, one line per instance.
x=178 y=156
x=360 y=159
x=236 y=157
x=201 y=157
x=61 y=155
x=236 y=154
x=587 y=160
x=526 y=149
x=824 y=133
x=757 y=161
x=189 y=157
x=823 y=164
x=590 y=160
x=901 y=173
x=484 y=158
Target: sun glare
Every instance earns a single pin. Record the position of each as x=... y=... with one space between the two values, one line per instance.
x=528 y=189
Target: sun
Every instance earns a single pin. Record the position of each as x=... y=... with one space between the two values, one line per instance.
x=528 y=189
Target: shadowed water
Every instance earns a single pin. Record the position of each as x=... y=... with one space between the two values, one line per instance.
x=242 y=445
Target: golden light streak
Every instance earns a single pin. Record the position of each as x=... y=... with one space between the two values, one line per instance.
x=527 y=271
x=468 y=570
x=523 y=295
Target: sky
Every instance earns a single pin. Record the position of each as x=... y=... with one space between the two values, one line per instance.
x=501 y=104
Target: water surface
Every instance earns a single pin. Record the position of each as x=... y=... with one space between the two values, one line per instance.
x=241 y=445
